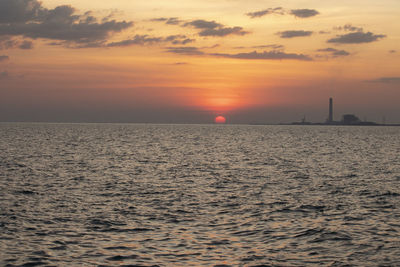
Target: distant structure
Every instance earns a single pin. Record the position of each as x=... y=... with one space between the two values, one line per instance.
x=347 y=119
x=304 y=119
x=350 y=119
x=330 y=118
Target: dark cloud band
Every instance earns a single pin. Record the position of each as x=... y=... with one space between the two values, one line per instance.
x=299 y=13
x=191 y=51
x=334 y=52
x=292 y=34
x=270 y=55
x=262 y=13
x=28 y=18
x=214 y=29
x=304 y=13
x=387 y=80
x=356 y=38
x=147 y=40
x=4 y=58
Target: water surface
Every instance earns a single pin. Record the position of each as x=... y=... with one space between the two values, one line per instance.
x=199 y=195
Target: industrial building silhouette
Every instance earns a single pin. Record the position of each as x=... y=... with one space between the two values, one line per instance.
x=347 y=119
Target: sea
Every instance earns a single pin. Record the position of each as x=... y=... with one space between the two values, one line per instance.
x=199 y=195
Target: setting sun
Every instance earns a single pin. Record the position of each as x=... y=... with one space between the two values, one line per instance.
x=220 y=120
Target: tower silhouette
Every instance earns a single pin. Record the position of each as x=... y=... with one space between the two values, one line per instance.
x=330 y=118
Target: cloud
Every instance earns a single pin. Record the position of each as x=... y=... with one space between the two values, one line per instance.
x=6 y=42
x=212 y=28
x=349 y=27
x=28 y=18
x=3 y=75
x=179 y=39
x=20 y=11
x=224 y=31
x=356 y=38
x=4 y=58
x=192 y=51
x=300 y=13
x=304 y=13
x=334 y=52
x=146 y=40
x=292 y=34
x=180 y=63
x=261 y=13
x=26 y=45
x=203 y=24
x=388 y=80
x=137 y=40
x=273 y=46
x=212 y=46
x=323 y=32
x=169 y=21
x=271 y=55
x=269 y=46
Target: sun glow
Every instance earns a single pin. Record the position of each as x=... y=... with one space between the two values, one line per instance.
x=220 y=104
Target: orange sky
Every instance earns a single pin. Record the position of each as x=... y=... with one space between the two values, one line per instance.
x=188 y=61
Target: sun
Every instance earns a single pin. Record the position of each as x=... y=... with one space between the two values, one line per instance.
x=220 y=120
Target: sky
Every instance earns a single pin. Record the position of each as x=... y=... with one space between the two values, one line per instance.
x=188 y=61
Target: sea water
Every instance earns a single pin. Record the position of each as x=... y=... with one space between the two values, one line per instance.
x=199 y=195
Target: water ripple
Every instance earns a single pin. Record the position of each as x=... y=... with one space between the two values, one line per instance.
x=199 y=195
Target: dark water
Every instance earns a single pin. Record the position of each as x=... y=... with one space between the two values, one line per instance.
x=198 y=195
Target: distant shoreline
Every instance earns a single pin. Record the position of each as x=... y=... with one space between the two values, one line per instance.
x=160 y=123
x=342 y=124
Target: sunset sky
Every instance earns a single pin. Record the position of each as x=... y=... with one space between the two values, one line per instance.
x=188 y=61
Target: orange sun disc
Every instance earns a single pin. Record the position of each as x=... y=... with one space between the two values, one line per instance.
x=220 y=119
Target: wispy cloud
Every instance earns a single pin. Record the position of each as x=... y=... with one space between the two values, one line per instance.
x=292 y=34
x=26 y=45
x=169 y=21
x=334 y=52
x=203 y=24
x=266 y=55
x=299 y=13
x=137 y=40
x=356 y=38
x=179 y=39
x=349 y=27
x=269 y=46
x=212 y=28
x=261 y=13
x=180 y=63
x=7 y=42
x=223 y=31
x=3 y=75
x=304 y=13
x=271 y=55
x=148 y=40
x=273 y=46
x=388 y=80
x=186 y=50
x=4 y=58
